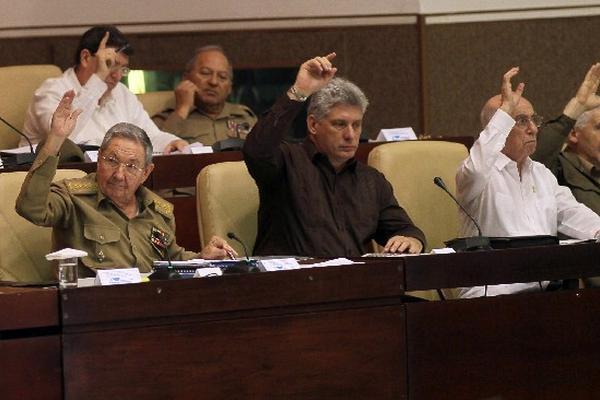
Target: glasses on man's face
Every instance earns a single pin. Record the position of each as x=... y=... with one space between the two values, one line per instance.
x=124 y=70
x=130 y=168
x=523 y=121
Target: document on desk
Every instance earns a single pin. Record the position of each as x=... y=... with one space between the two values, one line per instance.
x=283 y=264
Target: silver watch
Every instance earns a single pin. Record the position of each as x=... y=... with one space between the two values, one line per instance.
x=296 y=95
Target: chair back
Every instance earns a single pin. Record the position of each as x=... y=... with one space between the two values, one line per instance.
x=156 y=102
x=18 y=84
x=227 y=201
x=23 y=244
x=410 y=167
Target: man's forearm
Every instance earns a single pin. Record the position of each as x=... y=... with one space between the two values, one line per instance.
x=266 y=136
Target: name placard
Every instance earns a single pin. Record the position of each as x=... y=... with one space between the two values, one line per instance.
x=121 y=276
x=396 y=134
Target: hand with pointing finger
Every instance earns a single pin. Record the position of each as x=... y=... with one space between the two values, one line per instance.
x=105 y=58
x=315 y=74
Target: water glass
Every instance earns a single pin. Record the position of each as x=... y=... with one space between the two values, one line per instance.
x=67 y=273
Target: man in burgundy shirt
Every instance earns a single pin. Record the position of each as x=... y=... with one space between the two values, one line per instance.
x=315 y=198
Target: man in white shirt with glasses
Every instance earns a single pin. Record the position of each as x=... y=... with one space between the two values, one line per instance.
x=101 y=60
x=506 y=192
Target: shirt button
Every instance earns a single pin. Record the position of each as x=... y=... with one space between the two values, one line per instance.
x=100 y=256
x=101 y=237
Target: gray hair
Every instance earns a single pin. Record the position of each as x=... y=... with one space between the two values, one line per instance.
x=205 y=49
x=584 y=118
x=129 y=131
x=338 y=91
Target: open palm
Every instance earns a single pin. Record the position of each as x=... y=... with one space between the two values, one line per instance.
x=64 y=118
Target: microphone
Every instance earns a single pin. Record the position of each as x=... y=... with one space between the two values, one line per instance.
x=233 y=236
x=479 y=242
x=18 y=158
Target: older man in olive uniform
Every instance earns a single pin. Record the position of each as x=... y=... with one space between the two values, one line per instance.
x=201 y=112
x=109 y=214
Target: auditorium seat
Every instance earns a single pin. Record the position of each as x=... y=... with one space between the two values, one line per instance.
x=410 y=167
x=155 y=102
x=227 y=201
x=18 y=84
x=24 y=245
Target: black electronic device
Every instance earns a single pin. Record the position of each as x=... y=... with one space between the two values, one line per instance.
x=231 y=144
x=14 y=159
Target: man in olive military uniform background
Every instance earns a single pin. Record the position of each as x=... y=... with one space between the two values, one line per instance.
x=108 y=214
x=201 y=112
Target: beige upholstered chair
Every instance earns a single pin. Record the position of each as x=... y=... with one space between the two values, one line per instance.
x=410 y=167
x=23 y=245
x=18 y=84
x=155 y=102
x=227 y=201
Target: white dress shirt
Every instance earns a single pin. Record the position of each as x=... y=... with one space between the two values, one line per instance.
x=119 y=106
x=506 y=204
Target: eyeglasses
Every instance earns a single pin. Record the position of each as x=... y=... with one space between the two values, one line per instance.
x=124 y=70
x=523 y=121
x=129 y=168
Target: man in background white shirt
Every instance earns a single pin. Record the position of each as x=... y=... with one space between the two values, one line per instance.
x=508 y=193
x=101 y=60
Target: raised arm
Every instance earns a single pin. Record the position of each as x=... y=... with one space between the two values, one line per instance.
x=474 y=173
x=262 y=151
x=36 y=202
x=553 y=134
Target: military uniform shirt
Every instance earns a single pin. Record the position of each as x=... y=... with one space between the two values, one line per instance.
x=83 y=218
x=235 y=120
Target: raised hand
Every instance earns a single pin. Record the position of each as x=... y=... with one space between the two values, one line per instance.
x=64 y=118
x=586 y=95
x=510 y=98
x=105 y=58
x=314 y=74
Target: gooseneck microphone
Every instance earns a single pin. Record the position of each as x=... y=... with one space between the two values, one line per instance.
x=233 y=236
x=18 y=158
x=479 y=242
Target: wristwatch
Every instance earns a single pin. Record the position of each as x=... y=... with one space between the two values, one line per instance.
x=294 y=94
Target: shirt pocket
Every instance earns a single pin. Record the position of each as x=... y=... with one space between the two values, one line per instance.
x=103 y=241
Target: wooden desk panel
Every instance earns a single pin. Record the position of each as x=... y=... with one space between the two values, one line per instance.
x=529 y=264
x=526 y=346
x=333 y=332
x=30 y=347
x=356 y=353
x=24 y=308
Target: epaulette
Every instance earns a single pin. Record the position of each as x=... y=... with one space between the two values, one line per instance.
x=82 y=185
x=163 y=207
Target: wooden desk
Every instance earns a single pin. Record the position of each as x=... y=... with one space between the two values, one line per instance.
x=30 y=349
x=334 y=333
x=540 y=345
x=337 y=332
